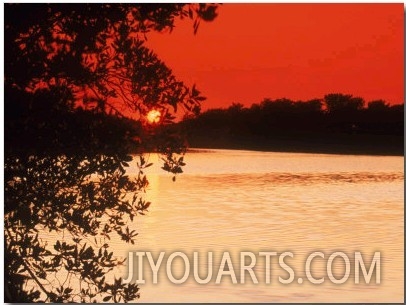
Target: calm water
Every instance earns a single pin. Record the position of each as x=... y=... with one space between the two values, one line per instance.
x=262 y=201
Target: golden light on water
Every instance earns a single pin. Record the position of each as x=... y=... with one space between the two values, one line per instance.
x=154 y=116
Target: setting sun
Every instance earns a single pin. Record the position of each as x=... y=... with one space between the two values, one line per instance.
x=154 y=116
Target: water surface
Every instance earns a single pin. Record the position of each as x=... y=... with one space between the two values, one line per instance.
x=263 y=201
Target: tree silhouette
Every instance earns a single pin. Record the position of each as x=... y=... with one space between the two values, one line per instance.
x=337 y=124
x=378 y=106
x=78 y=84
x=339 y=103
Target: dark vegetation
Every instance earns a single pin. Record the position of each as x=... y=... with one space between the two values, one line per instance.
x=78 y=84
x=338 y=123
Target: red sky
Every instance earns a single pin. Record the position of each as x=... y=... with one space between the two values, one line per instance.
x=298 y=51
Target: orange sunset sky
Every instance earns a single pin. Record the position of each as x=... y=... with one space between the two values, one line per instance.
x=298 y=51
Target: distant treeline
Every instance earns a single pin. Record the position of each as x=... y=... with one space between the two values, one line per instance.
x=331 y=119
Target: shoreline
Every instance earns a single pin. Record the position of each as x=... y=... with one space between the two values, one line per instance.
x=321 y=152
x=388 y=146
